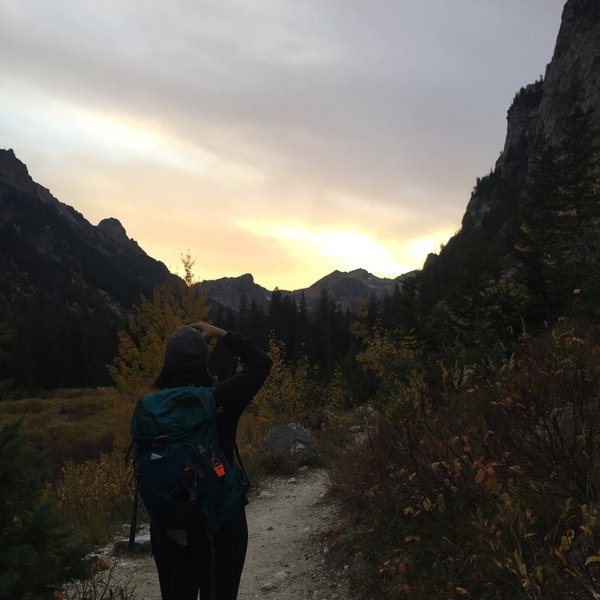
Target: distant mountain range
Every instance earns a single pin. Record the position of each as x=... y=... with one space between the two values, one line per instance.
x=346 y=289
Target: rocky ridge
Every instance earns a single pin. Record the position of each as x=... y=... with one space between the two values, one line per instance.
x=347 y=289
x=54 y=251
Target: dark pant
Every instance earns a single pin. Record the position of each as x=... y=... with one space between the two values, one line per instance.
x=185 y=570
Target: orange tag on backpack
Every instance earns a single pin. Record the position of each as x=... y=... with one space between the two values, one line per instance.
x=218 y=467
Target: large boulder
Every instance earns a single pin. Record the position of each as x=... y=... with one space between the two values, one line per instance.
x=295 y=441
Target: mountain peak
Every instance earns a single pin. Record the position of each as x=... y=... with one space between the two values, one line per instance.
x=361 y=275
x=228 y=291
x=246 y=278
x=14 y=172
x=116 y=231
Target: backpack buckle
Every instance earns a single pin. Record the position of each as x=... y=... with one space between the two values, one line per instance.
x=161 y=442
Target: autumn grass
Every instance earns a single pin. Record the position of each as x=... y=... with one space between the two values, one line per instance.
x=73 y=432
x=102 y=585
x=69 y=424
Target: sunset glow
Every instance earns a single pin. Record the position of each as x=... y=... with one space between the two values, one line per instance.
x=285 y=139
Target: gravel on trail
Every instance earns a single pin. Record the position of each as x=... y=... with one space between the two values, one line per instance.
x=286 y=557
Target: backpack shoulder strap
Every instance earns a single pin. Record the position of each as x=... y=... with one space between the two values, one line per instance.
x=240 y=463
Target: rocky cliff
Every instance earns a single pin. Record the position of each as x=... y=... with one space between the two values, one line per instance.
x=576 y=59
x=228 y=291
x=536 y=110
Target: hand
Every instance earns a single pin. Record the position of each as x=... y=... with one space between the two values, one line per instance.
x=208 y=330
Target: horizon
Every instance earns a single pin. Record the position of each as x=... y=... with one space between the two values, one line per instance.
x=282 y=140
x=305 y=287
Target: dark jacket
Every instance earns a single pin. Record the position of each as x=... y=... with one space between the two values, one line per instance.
x=235 y=393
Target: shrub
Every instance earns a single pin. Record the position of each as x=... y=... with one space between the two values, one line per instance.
x=290 y=392
x=96 y=495
x=487 y=490
x=101 y=586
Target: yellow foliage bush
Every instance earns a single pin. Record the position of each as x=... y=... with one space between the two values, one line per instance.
x=141 y=346
x=280 y=400
x=96 y=494
x=292 y=393
x=391 y=357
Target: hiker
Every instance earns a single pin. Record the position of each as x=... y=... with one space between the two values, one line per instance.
x=183 y=557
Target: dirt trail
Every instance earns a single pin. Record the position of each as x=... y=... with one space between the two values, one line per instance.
x=285 y=560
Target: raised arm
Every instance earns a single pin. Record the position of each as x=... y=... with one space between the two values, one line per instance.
x=235 y=393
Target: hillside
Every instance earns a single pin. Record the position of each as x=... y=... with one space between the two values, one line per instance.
x=536 y=111
x=66 y=285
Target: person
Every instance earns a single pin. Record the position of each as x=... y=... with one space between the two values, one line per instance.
x=183 y=557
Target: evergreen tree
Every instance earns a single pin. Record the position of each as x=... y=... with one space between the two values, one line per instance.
x=6 y=382
x=559 y=239
x=275 y=312
x=38 y=549
x=257 y=329
x=538 y=243
x=579 y=162
x=231 y=322
x=283 y=322
x=243 y=316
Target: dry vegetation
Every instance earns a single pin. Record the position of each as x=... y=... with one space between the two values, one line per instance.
x=488 y=489
x=484 y=488
x=72 y=424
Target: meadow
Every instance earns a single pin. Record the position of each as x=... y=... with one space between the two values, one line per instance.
x=68 y=424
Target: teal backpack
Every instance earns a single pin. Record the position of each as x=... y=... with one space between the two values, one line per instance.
x=182 y=474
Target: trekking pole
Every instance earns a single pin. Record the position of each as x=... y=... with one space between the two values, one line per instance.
x=133 y=525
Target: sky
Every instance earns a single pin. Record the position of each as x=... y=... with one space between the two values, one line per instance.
x=281 y=138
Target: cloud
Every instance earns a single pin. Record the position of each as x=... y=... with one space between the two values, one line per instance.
x=346 y=247
x=357 y=115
